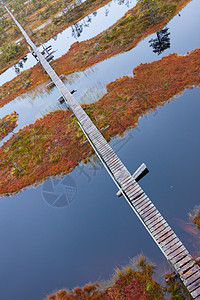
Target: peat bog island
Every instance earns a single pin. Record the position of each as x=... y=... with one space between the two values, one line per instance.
x=94 y=95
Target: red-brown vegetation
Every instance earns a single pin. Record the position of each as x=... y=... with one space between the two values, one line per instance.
x=195 y=216
x=127 y=284
x=7 y=124
x=125 y=34
x=55 y=144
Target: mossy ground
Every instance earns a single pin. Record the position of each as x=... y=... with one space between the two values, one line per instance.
x=56 y=144
x=55 y=25
x=122 y=36
x=7 y=124
x=195 y=217
x=127 y=283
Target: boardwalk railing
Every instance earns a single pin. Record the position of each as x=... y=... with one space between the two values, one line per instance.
x=165 y=238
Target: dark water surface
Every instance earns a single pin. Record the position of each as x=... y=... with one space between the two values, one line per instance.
x=45 y=248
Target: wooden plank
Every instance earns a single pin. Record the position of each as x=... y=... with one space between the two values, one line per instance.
x=161 y=239
x=191 y=271
x=196 y=294
x=112 y=165
x=108 y=156
x=153 y=227
x=140 y=199
x=113 y=160
x=141 y=203
x=129 y=183
x=148 y=210
x=184 y=268
x=157 y=229
x=137 y=194
x=175 y=255
x=193 y=279
x=148 y=213
x=95 y=141
x=193 y=286
x=172 y=243
x=132 y=198
x=153 y=217
x=154 y=221
x=99 y=149
x=169 y=237
x=134 y=194
x=131 y=188
x=170 y=240
x=131 y=193
x=173 y=248
x=144 y=206
x=125 y=180
x=115 y=166
x=184 y=264
x=162 y=232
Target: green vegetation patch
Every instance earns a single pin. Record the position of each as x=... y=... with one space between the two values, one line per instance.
x=7 y=124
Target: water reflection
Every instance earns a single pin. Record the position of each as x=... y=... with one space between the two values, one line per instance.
x=48 y=245
x=91 y=83
x=20 y=65
x=65 y=39
x=126 y=2
x=78 y=27
x=162 y=42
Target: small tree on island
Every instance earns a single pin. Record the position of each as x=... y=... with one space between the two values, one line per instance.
x=149 y=8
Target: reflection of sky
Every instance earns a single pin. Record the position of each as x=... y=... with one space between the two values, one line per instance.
x=44 y=248
x=90 y=84
x=62 y=41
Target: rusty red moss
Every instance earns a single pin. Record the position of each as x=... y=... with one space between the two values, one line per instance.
x=7 y=124
x=55 y=144
x=125 y=34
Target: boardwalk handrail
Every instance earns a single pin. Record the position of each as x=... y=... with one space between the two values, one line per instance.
x=165 y=238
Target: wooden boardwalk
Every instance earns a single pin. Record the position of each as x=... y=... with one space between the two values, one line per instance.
x=175 y=252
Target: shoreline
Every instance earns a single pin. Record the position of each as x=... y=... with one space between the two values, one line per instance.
x=48 y=149
x=56 y=31
x=87 y=53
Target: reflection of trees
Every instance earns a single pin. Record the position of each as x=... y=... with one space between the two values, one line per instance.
x=20 y=64
x=77 y=28
x=121 y=2
x=106 y=11
x=162 y=42
x=152 y=9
